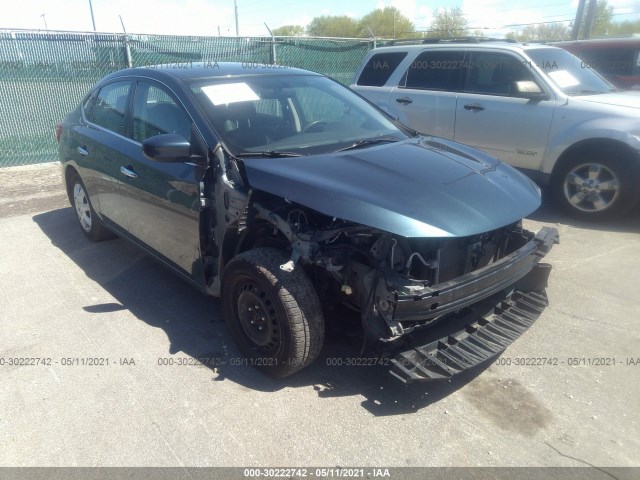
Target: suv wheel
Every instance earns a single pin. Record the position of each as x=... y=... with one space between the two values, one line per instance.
x=89 y=222
x=273 y=315
x=595 y=188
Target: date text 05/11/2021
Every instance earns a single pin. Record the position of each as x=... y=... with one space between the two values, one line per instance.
x=333 y=472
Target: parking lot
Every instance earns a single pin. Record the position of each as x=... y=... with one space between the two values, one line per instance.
x=115 y=383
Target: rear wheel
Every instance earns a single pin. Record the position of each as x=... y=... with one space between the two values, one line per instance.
x=596 y=188
x=273 y=315
x=89 y=222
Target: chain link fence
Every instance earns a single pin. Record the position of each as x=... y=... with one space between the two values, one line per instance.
x=43 y=76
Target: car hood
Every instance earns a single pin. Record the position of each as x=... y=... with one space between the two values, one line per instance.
x=618 y=99
x=421 y=187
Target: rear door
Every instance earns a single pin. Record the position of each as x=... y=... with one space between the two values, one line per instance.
x=426 y=97
x=491 y=117
x=102 y=145
x=372 y=81
x=161 y=199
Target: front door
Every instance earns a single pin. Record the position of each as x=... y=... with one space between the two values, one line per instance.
x=162 y=199
x=491 y=117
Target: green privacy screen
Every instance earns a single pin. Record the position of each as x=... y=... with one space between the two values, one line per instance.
x=44 y=75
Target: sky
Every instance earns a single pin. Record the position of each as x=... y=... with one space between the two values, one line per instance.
x=213 y=17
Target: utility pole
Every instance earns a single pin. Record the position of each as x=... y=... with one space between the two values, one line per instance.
x=575 y=31
x=373 y=35
x=394 y=24
x=273 y=45
x=235 y=7
x=127 y=48
x=45 y=21
x=93 y=20
x=588 y=22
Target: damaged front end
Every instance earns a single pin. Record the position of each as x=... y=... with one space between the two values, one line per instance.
x=434 y=306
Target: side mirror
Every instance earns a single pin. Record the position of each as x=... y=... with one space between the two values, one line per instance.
x=169 y=147
x=530 y=90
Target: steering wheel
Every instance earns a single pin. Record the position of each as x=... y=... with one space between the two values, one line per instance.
x=314 y=127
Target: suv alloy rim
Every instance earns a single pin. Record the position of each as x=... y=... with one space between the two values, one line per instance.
x=591 y=187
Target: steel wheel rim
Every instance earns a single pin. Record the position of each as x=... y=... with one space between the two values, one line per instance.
x=258 y=318
x=591 y=187
x=83 y=208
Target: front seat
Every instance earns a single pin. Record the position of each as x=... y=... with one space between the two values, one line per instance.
x=247 y=133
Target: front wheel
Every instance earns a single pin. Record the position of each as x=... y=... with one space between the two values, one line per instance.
x=595 y=188
x=273 y=315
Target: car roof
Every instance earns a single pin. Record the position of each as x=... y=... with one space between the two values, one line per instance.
x=502 y=44
x=189 y=71
x=601 y=42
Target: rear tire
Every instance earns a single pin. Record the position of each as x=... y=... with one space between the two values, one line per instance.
x=274 y=316
x=89 y=222
x=597 y=187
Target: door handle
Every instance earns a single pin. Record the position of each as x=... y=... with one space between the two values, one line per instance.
x=128 y=171
x=404 y=100
x=82 y=150
x=476 y=107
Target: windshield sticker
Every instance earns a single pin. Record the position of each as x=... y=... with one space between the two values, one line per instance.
x=563 y=78
x=227 y=93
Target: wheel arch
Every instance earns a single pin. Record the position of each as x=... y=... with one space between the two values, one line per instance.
x=591 y=145
x=620 y=158
x=235 y=242
x=69 y=173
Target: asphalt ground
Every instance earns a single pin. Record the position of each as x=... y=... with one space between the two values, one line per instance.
x=115 y=335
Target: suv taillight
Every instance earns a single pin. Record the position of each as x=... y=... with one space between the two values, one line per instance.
x=58 y=131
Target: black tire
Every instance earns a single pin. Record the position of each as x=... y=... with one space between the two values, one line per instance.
x=89 y=222
x=274 y=316
x=596 y=187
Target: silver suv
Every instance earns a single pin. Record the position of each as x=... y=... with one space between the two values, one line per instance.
x=538 y=108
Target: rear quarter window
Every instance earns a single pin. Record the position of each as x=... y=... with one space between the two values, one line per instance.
x=110 y=107
x=379 y=68
x=87 y=106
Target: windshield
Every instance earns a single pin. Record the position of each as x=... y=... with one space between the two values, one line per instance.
x=290 y=115
x=572 y=75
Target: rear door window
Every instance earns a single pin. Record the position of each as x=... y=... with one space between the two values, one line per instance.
x=379 y=68
x=435 y=70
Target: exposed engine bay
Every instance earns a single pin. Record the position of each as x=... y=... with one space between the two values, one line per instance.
x=373 y=271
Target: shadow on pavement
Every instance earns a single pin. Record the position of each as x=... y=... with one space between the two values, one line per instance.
x=194 y=326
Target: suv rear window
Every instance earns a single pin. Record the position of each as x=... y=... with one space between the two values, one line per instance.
x=379 y=68
x=435 y=70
